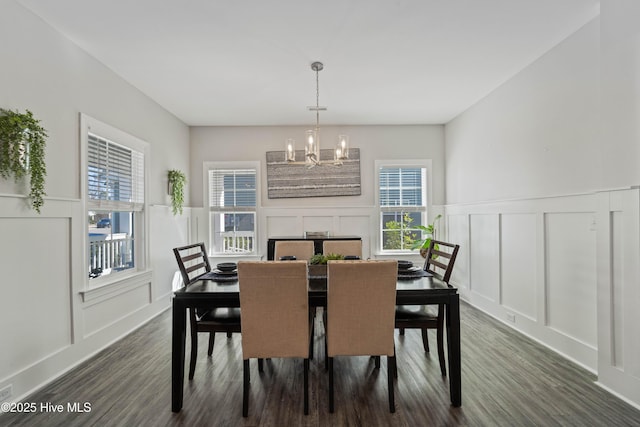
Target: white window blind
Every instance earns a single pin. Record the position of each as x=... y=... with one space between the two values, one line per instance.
x=115 y=178
x=402 y=187
x=232 y=189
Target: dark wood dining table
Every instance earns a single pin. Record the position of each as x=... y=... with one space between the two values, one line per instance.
x=209 y=293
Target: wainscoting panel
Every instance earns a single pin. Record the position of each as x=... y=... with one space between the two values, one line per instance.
x=338 y=221
x=167 y=231
x=286 y=225
x=35 y=280
x=485 y=255
x=531 y=263
x=617 y=289
x=109 y=311
x=356 y=225
x=458 y=233
x=518 y=248
x=618 y=265
x=317 y=223
x=571 y=275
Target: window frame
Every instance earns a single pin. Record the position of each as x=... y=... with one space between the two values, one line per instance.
x=232 y=165
x=426 y=209
x=88 y=125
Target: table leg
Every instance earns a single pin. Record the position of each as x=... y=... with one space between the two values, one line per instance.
x=453 y=344
x=177 y=354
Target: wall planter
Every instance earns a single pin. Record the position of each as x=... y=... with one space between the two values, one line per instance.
x=177 y=180
x=22 y=152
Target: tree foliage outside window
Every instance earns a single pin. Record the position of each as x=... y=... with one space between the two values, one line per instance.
x=399 y=235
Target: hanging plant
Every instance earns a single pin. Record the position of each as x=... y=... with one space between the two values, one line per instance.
x=177 y=181
x=22 y=144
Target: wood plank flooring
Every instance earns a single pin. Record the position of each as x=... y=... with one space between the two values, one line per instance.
x=507 y=380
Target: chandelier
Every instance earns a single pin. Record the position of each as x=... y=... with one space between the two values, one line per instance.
x=312 y=136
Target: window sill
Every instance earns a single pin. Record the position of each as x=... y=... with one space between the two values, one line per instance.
x=117 y=285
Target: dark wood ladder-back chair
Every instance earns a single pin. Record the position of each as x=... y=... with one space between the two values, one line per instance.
x=194 y=264
x=440 y=258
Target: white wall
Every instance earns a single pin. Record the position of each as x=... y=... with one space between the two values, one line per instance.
x=49 y=325
x=536 y=135
x=544 y=204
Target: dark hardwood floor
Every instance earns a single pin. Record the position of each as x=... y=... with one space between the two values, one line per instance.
x=507 y=380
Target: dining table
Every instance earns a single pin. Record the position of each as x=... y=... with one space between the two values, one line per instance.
x=211 y=291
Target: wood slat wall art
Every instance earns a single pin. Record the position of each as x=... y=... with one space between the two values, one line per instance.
x=286 y=180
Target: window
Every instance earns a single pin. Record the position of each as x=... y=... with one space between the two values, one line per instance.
x=115 y=201
x=402 y=198
x=232 y=209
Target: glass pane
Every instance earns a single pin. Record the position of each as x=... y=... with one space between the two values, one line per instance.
x=232 y=232
x=111 y=242
x=398 y=230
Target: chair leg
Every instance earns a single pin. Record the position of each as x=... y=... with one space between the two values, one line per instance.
x=331 y=384
x=391 y=364
x=443 y=365
x=306 y=386
x=376 y=359
x=326 y=357
x=260 y=365
x=401 y=331
x=212 y=338
x=312 y=320
x=194 y=354
x=245 y=388
x=229 y=334
x=425 y=340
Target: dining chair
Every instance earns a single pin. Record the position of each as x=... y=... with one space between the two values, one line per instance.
x=276 y=322
x=194 y=264
x=361 y=297
x=439 y=261
x=301 y=249
x=343 y=247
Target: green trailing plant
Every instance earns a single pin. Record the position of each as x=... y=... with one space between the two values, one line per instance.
x=22 y=152
x=177 y=181
x=428 y=233
x=319 y=259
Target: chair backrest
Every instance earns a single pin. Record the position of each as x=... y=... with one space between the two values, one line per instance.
x=441 y=256
x=301 y=249
x=274 y=300
x=361 y=301
x=192 y=261
x=343 y=247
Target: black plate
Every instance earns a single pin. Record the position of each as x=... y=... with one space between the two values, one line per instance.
x=226 y=273
x=404 y=265
x=227 y=266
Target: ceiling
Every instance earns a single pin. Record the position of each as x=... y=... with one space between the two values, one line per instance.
x=247 y=62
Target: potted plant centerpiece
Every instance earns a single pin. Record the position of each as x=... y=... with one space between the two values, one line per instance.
x=318 y=263
x=428 y=233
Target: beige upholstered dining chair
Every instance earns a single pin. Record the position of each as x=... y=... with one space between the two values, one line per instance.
x=361 y=299
x=275 y=316
x=301 y=249
x=440 y=259
x=193 y=264
x=343 y=247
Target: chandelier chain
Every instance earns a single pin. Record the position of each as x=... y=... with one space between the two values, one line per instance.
x=317 y=100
